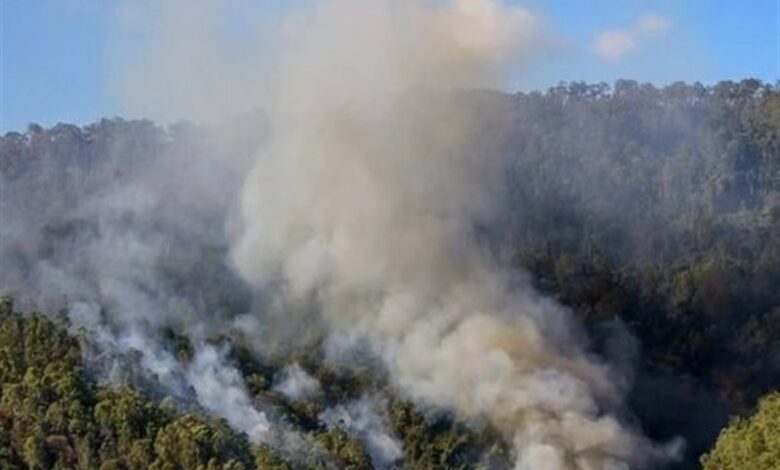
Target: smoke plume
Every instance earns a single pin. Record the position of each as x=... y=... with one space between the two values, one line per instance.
x=365 y=207
x=361 y=218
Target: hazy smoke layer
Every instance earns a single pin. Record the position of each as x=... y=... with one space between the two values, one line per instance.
x=361 y=216
x=295 y=383
x=129 y=237
x=366 y=203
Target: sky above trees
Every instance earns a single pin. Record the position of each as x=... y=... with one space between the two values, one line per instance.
x=59 y=58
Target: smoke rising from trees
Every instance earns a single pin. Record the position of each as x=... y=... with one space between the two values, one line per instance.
x=364 y=206
x=372 y=210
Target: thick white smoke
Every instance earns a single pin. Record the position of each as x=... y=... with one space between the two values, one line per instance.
x=220 y=389
x=365 y=202
x=207 y=379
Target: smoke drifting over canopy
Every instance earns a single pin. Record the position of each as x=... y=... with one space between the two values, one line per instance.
x=365 y=204
x=361 y=215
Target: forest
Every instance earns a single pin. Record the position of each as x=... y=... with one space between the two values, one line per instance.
x=651 y=213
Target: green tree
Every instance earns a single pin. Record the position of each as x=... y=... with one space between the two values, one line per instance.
x=752 y=443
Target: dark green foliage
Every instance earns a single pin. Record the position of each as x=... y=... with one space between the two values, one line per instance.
x=347 y=451
x=189 y=442
x=749 y=443
x=267 y=459
x=53 y=416
x=659 y=207
x=433 y=443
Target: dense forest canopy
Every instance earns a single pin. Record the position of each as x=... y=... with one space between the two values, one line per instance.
x=652 y=213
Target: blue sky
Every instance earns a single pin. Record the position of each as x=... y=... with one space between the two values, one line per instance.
x=56 y=55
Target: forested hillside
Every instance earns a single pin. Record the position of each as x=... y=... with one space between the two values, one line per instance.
x=54 y=415
x=660 y=207
x=652 y=213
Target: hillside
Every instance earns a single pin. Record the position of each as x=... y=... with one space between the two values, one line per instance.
x=652 y=214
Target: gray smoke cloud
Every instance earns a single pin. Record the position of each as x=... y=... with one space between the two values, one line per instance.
x=295 y=383
x=365 y=203
x=110 y=236
x=359 y=218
